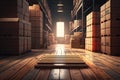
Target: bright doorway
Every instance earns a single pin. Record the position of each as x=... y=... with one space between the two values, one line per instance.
x=60 y=29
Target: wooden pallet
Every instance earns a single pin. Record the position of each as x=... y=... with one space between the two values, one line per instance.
x=61 y=61
x=73 y=65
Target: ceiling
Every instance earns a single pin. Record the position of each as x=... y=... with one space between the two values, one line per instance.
x=56 y=16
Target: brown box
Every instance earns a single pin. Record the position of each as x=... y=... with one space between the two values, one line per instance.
x=96 y=14
x=108 y=4
x=10 y=7
x=103 y=49
x=112 y=10
x=92 y=44
x=88 y=29
x=71 y=25
x=94 y=31
x=26 y=18
x=27 y=29
x=25 y=6
x=103 y=41
x=112 y=31
x=37 y=42
x=36 y=35
x=95 y=21
x=77 y=35
x=88 y=41
x=96 y=44
x=103 y=44
x=88 y=47
x=28 y=43
x=103 y=32
x=9 y=28
x=35 y=10
x=102 y=16
x=67 y=38
x=112 y=3
x=75 y=44
x=112 y=41
x=11 y=45
x=102 y=8
x=93 y=18
x=108 y=24
x=31 y=11
x=29 y=33
x=113 y=50
x=107 y=14
x=25 y=44
x=36 y=19
x=103 y=25
x=76 y=23
x=15 y=8
x=37 y=30
x=89 y=34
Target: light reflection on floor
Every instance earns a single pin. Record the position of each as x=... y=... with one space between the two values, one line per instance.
x=60 y=49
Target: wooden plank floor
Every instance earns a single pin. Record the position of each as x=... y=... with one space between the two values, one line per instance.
x=101 y=66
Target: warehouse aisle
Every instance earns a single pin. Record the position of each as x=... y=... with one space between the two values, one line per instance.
x=101 y=66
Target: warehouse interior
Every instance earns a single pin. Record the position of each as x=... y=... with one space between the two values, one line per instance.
x=59 y=40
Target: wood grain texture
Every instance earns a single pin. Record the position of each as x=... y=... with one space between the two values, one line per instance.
x=101 y=66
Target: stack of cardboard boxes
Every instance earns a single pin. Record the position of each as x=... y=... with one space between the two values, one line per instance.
x=36 y=19
x=15 y=28
x=92 y=41
x=110 y=35
x=76 y=40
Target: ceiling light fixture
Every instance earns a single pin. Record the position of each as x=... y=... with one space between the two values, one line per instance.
x=59 y=10
x=60 y=4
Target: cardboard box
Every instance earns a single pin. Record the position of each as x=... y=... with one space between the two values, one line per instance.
x=112 y=3
x=11 y=45
x=108 y=24
x=103 y=49
x=75 y=44
x=113 y=50
x=112 y=41
x=103 y=41
x=112 y=31
x=102 y=8
x=93 y=31
x=37 y=42
x=92 y=44
x=104 y=25
x=14 y=28
x=103 y=32
x=15 y=8
x=102 y=16
x=103 y=44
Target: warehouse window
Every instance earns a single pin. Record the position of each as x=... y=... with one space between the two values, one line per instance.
x=60 y=29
